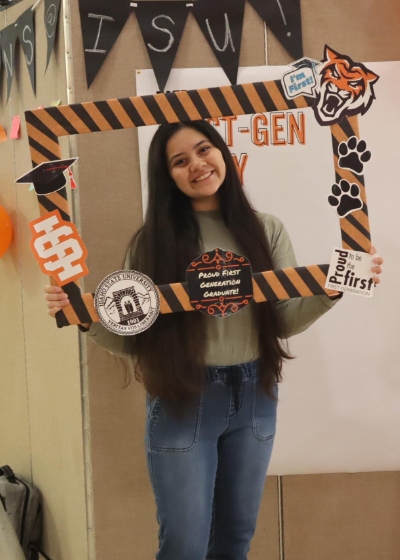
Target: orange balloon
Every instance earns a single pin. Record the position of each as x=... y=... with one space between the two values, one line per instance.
x=5 y=231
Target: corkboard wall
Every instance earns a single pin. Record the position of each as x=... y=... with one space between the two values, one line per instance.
x=333 y=516
x=40 y=400
x=109 y=171
x=367 y=31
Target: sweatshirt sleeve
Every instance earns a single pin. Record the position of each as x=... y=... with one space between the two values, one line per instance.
x=119 y=345
x=114 y=343
x=297 y=314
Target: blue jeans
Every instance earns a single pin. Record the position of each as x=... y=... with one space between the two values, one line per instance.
x=208 y=470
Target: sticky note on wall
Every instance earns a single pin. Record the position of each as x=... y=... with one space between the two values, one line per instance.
x=16 y=122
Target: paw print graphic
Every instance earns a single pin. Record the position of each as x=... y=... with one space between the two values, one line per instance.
x=346 y=197
x=353 y=154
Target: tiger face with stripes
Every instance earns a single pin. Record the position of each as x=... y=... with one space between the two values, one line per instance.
x=345 y=88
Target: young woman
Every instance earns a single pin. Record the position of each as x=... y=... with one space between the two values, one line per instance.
x=211 y=382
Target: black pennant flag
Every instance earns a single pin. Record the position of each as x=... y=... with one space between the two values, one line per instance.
x=8 y=37
x=51 y=13
x=161 y=24
x=283 y=18
x=26 y=36
x=221 y=22
x=102 y=22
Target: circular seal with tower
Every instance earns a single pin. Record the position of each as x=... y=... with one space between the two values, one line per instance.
x=127 y=302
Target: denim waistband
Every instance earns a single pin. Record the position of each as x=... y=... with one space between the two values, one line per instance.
x=229 y=374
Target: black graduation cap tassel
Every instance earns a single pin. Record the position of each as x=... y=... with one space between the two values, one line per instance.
x=48 y=177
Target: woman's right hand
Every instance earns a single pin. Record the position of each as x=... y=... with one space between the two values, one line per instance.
x=56 y=299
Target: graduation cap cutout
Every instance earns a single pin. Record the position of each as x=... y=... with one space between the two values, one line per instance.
x=306 y=62
x=48 y=177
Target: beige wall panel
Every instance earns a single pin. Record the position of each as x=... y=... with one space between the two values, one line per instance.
x=3 y=89
x=52 y=375
x=331 y=516
x=15 y=447
x=265 y=544
x=125 y=515
x=365 y=31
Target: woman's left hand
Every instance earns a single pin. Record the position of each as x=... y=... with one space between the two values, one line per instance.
x=378 y=262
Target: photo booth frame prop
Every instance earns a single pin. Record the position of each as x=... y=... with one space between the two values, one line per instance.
x=46 y=125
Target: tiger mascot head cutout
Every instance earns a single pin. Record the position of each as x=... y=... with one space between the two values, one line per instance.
x=345 y=88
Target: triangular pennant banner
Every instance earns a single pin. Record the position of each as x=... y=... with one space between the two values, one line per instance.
x=161 y=24
x=221 y=22
x=51 y=13
x=26 y=36
x=102 y=22
x=283 y=18
x=8 y=37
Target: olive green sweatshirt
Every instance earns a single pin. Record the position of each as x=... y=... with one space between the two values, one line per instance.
x=234 y=339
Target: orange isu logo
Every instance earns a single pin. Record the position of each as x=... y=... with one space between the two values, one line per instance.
x=58 y=248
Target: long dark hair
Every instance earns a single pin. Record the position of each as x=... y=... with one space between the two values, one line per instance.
x=171 y=353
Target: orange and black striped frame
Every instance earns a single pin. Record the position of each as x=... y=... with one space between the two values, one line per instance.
x=46 y=125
